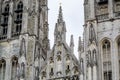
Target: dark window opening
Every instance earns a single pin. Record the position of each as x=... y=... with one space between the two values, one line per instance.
x=108 y=75
x=51 y=72
x=103 y=2
x=68 y=67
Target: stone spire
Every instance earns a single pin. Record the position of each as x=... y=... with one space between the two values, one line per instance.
x=60 y=16
x=60 y=28
x=71 y=41
x=79 y=44
x=72 y=44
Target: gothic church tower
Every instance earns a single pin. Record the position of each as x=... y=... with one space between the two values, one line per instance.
x=61 y=61
x=99 y=49
x=23 y=38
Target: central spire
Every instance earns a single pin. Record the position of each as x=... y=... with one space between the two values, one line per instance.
x=60 y=16
x=60 y=28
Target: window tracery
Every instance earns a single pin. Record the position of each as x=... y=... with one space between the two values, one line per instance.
x=4 y=22
x=18 y=19
x=106 y=47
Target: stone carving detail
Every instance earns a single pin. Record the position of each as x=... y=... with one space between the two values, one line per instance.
x=36 y=73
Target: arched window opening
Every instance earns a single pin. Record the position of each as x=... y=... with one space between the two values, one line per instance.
x=2 y=69
x=67 y=69
x=51 y=72
x=14 y=68
x=59 y=56
x=4 y=22
x=67 y=58
x=18 y=20
x=107 y=68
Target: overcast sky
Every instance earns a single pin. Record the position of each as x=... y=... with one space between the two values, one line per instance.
x=73 y=15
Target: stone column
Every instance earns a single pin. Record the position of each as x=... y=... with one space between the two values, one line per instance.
x=94 y=72
x=8 y=69
x=2 y=76
x=89 y=73
x=115 y=63
x=81 y=76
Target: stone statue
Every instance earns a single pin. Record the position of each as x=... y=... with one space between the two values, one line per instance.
x=92 y=36
x=22 y=70
x=36 y=73
x=18 y=72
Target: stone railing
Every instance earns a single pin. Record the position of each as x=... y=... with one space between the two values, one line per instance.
x=15 y=34
x=2 y=37
x=117 y=14
x=102 y=17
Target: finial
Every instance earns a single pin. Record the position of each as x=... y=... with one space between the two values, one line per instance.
x=72 y=41
x=60 y=2
x=60 y=17
x=79 y=44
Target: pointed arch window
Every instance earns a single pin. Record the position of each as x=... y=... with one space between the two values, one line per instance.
x=14 y=68
x=18 y=19
x=51 y=72
x=2 y=69
x=4 y=22
x=67 y=69
x=107 y=68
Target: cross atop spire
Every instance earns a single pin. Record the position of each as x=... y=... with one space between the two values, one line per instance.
x=60 y=2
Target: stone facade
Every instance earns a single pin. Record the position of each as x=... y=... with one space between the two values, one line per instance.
x=100 y=46
x=23 y=38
